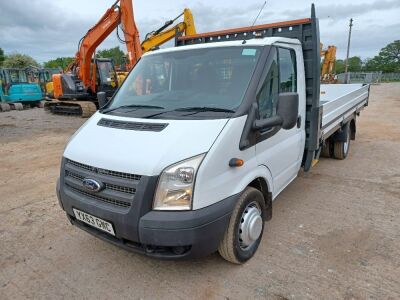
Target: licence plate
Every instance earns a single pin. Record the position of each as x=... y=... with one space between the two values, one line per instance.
x=94 y=221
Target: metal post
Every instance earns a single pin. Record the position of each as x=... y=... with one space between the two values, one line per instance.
x=346 y=66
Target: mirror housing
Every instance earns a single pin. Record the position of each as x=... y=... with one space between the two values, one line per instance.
x=286 y=113
x=102 y=99
x=288 y=109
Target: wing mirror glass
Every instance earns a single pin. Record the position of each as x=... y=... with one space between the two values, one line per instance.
x=286 y=113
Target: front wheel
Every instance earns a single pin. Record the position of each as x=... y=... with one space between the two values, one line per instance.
x=244 y=232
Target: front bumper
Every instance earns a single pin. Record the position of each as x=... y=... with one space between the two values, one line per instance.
x=164 y=234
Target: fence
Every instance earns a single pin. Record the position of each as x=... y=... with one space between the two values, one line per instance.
x=390 y=77
x=368 y=77
x=360 y=77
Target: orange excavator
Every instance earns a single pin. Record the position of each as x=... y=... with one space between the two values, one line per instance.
x=76 y=88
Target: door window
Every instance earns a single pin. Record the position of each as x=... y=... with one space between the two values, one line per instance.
x=287 y=71
x=280 y=78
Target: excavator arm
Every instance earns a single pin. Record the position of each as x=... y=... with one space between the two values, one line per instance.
x=328 y=63
x=163 y=35
x=121 y=12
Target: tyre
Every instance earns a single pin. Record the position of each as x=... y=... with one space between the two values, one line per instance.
x=341 y=149
x=326 y=149
x=245 y=228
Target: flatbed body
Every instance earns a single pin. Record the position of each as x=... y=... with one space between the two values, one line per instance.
x=339 y=102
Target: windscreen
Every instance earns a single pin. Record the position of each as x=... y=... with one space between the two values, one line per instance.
x=210 y=77
x=17 y=76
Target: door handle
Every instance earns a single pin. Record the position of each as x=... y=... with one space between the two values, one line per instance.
x=298 y=121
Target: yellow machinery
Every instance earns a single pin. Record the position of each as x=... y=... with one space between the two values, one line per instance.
x=328 y=64
x=162 y=35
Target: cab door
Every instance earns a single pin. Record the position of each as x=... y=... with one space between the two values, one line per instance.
x=278 y=149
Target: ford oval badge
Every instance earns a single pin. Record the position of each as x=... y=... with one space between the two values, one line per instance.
x=91 y=185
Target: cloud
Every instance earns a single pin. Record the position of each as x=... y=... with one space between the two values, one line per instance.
x=48 y=29
x=344 y=11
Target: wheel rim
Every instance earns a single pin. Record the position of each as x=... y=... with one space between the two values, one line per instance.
x=250 y=227
x=346 y=143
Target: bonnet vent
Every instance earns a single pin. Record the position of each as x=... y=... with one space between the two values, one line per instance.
x=139 y=126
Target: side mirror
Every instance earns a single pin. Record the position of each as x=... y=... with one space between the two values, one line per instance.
x=288 y=109
x=102 y=99
x=286 y=113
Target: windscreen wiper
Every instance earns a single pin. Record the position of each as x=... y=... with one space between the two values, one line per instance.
x=205 y=108
x=131 y=106
x=194 y=109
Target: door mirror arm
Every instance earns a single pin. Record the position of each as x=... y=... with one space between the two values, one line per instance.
x=268 y=123
x=286 y=113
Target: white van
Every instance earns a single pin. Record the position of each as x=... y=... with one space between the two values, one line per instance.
x=189 y=154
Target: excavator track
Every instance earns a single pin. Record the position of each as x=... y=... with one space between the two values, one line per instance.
x=7 y=106
x=83 y=109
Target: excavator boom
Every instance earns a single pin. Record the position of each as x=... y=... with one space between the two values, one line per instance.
x=121 y=12
x=131 y=33
x=163 y=35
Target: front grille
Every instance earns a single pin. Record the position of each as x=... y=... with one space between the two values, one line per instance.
x=114 y=187
x=104 y=171
x=99 y=198
x=140 y=126
x=119 y=188
x=122 y=189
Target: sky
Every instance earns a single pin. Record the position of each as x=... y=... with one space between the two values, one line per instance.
x=46 y=29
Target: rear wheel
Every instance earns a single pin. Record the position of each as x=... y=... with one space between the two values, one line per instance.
x=341 y=149
x=326 y=149
x=245 y=228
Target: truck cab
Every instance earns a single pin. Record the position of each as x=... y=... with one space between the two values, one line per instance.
x=189 y=154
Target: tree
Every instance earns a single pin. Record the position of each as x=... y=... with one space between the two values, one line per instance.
x=391 y=53
x=355 y=64
x=59 y=62
x=388 y=59
x=18 y=60
x=1 y=57
x=115 y=53
x=339 y=66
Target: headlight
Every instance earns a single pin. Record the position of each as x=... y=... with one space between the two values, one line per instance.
x=175 y=187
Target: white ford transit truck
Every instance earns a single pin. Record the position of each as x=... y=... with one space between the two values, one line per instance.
x=189 y=154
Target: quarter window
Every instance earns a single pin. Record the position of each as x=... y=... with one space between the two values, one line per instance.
x=267 y=97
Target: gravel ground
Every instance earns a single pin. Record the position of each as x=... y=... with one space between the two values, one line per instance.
x=334 y=234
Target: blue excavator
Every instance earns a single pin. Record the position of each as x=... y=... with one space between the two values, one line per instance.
x=16 y=92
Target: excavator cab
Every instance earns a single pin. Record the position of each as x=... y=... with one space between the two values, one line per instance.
x=68 y=86
x=16 y=92
x=15 y=86
x=107 y=80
